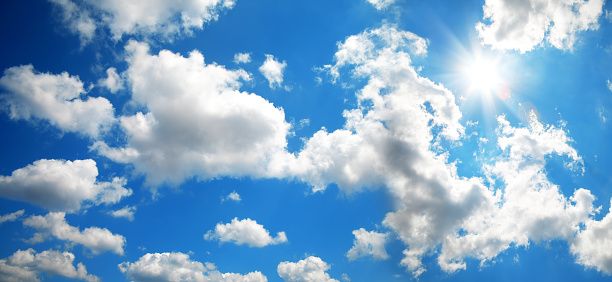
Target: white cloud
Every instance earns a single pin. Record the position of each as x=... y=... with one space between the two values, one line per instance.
x=198 y=123
x=113 y=82
x=381 y=4
x=272 y=70
x=242 y=58
x=59 y=185
x=78 y=20
x=174 y=267
x=593 y=244
x=28 y=265
x=161 y=19
x=55 y=98
x=11 y=216
x=96 y=239
x=609 y=85
x=232 y=197
x=368 y=243
x=127 y=212
x=310 y=269
x=523 y=25
x=245 y=231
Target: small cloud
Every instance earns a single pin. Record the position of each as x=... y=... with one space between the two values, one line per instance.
x=272 y=70
x=127 y=212
x=381 y=4
x=345 y=277
x=113 y=82
x=242 y=58
x=11 y=216
x=609 y=85
x=246 y=231
x=232 y=197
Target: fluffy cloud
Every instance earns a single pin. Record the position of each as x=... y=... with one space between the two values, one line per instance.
x=245 y=231
x=174 y=267
x=78 y=20
x=96 y=239
x=381 y=4
x=232 y=197
x=198 y=123
x=368 y=243
x=161 y=19
x=11 y=216
x=55 y=98
x=242 y=58
x=126 y=212
x=593 y=244
x=310 y=269
x=59 y=185
x=609 y=85
x=27 y=266
x=113 y=82
x=522 y=25
x=272 y=70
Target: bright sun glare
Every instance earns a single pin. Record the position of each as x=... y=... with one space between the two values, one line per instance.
x=483 y=75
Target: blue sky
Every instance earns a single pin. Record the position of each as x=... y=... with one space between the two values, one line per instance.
x=350 y=140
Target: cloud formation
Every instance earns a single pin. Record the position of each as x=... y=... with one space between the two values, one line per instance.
x=59 y=185
x=160 y=19
x=11 y=216
x=523 y=25
x=56 y=99
x=175 y=267
x=127 y=212
x=113 y=82
x=196 y=121
x=367 y=243
x=97 y=240
x=28 y=265
x=242 y=58
x=381 y=4
x=310 y=269
x=272 y=70
x=246 y=231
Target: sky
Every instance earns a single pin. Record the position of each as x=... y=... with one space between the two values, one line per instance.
x=347 y=140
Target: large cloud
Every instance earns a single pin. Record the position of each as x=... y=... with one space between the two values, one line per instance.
x=593 y=244
x=246 y=231
x=96 y=239
x=27 y=266
x=197 y=123
x=394 y=140
x=523 y=25
x=59 y=185
x=163 y=19
x=56 y=99
x=174 y=267
x=310 y=269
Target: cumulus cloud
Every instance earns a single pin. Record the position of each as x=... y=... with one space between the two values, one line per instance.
x=523 y=25
x=381 y=4
x=161 y=19
x=242 y=58
x=232 y=197
x=174 y=267
x=59 y=185
x=56 y=99
x=246 y=231
x=272 y=70
x=593 y=245
x=113 y=82
x=368 y=244
x=11 y=216
x=127 y=212
x=310 y=269
x=28 y=265
x=97 y=240
x=197 y=123
x=609 y=85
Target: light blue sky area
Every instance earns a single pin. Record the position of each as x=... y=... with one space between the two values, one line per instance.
x=378 y=140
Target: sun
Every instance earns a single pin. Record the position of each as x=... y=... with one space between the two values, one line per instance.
x=482 y=75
